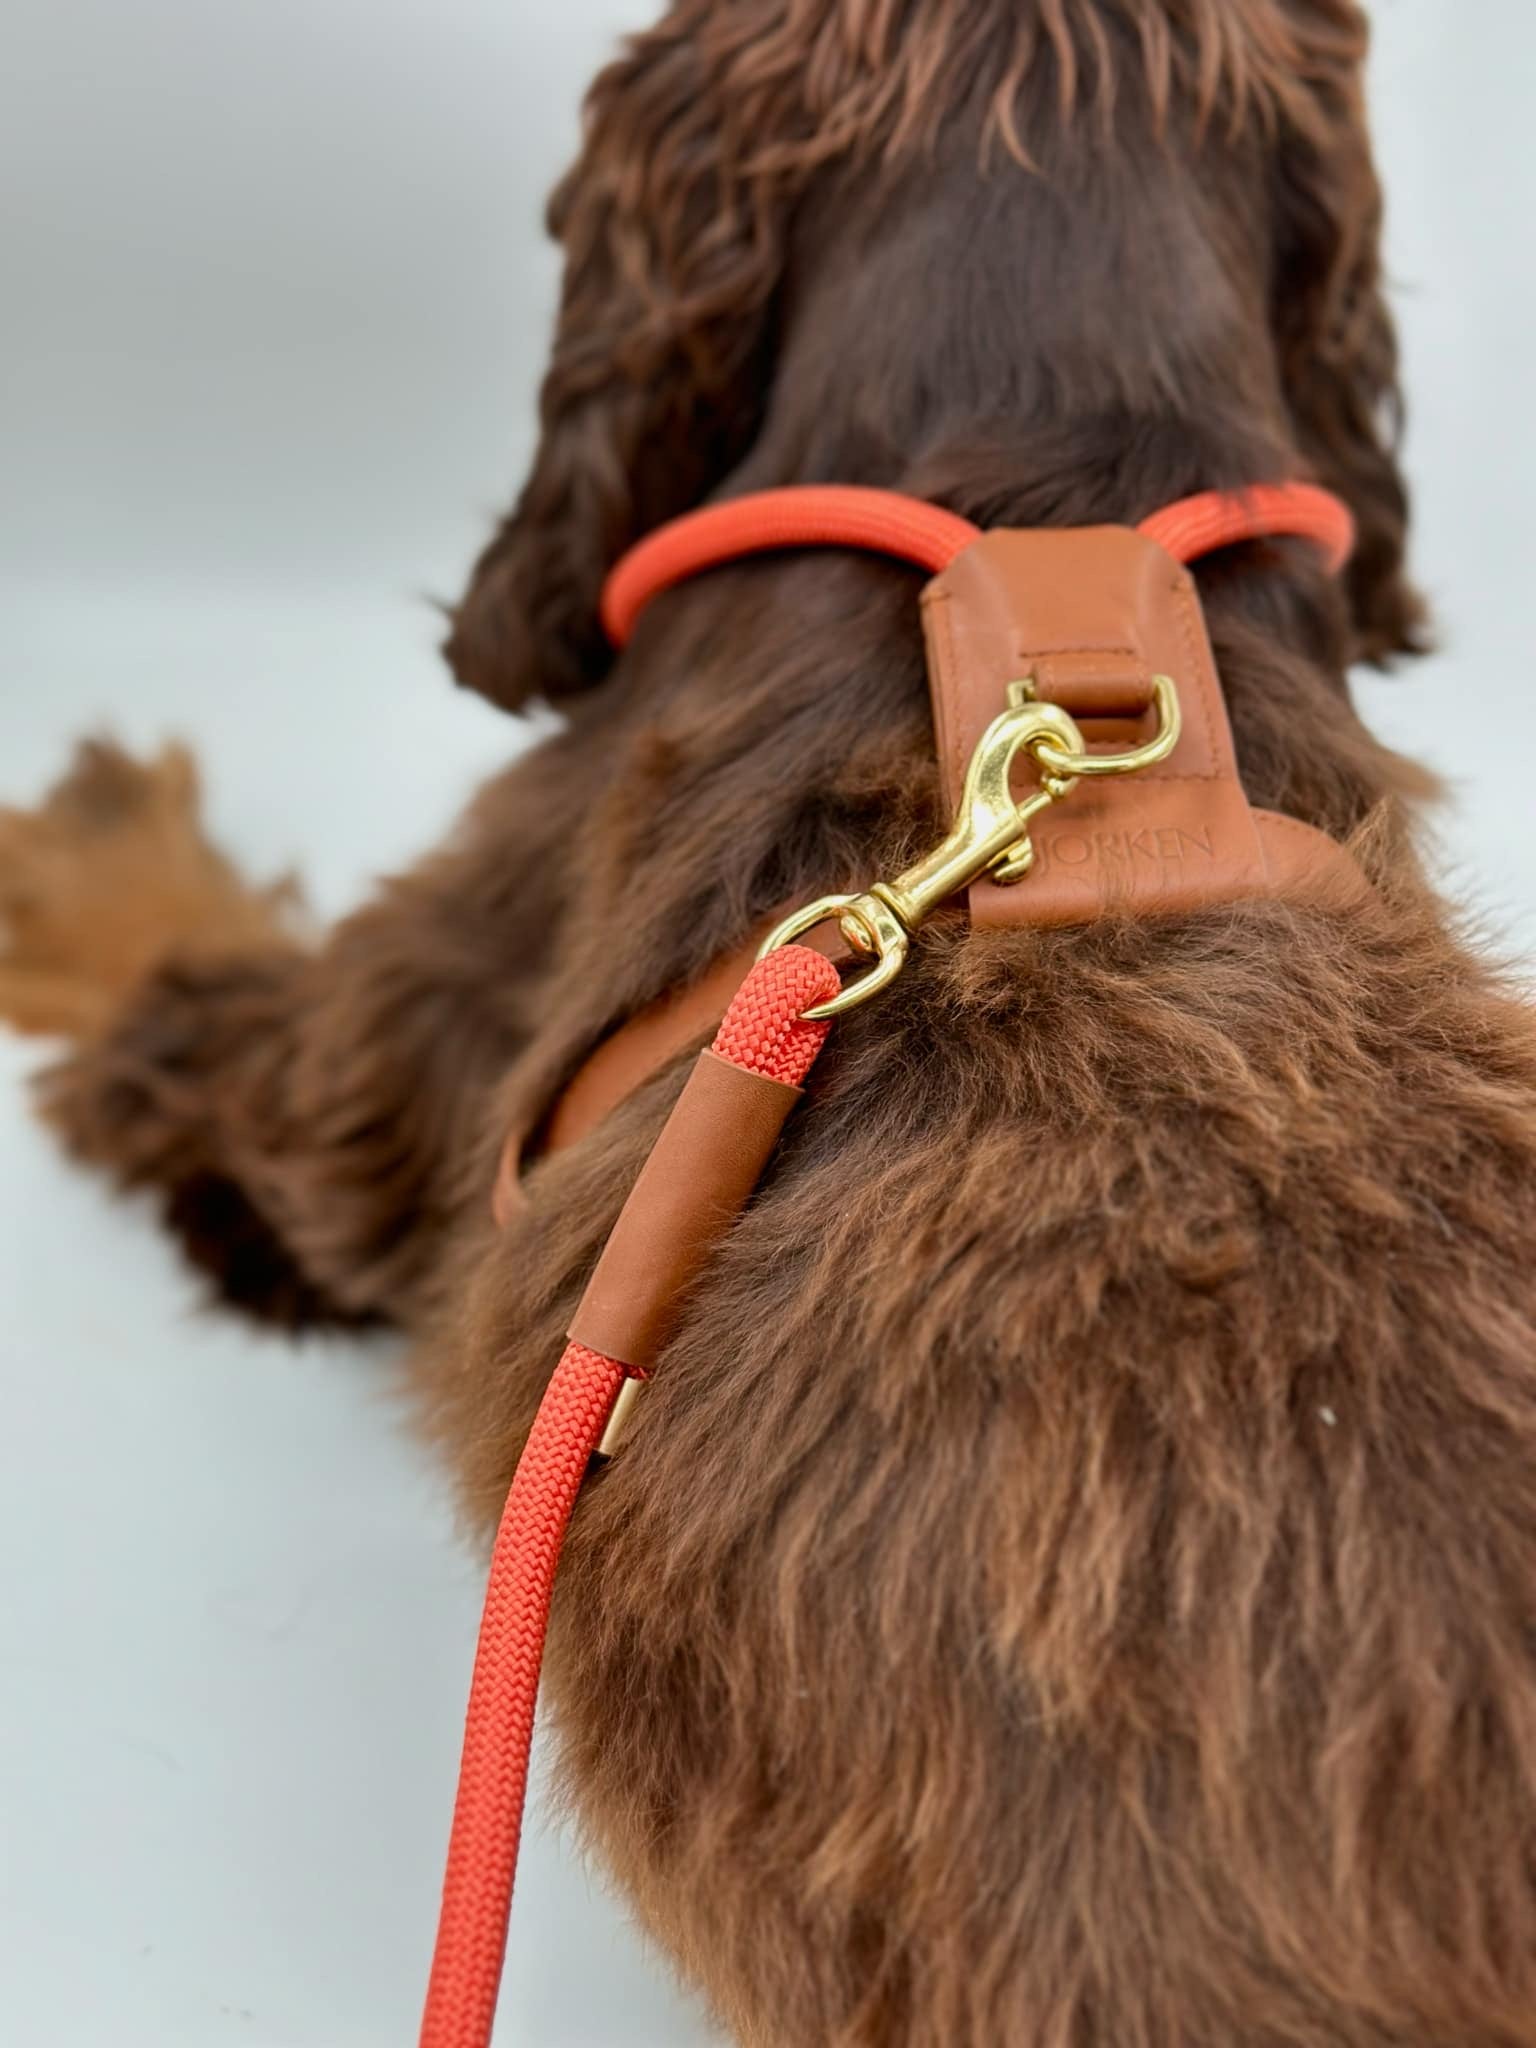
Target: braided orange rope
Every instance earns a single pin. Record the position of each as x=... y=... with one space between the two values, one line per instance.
x=764 y=1032
x=890 y=523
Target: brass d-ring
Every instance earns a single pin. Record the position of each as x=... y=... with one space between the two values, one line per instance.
x=1170 y=721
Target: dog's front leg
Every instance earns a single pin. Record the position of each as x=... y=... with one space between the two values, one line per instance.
x=302 y=1111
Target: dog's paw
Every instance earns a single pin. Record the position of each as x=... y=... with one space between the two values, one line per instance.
x=107 y=878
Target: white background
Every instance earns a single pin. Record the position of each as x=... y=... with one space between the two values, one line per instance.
x=275 y=301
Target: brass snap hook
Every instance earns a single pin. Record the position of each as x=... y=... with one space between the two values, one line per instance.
x=990 y=835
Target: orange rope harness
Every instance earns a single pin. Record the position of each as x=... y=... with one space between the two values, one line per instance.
x=765 y=1032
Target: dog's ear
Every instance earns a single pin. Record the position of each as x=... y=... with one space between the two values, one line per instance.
x=1337 y=340
x=673 y=246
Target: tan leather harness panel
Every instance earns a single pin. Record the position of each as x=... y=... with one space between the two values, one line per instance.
x=1091 y=615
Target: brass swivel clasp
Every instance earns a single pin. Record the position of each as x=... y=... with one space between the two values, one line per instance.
x=990 y=835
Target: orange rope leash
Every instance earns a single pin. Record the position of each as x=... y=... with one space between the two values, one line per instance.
x=498 y=1725
x=890 y=523
x=764 y=1032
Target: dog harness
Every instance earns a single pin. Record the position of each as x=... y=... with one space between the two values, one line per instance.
x=1079 y=654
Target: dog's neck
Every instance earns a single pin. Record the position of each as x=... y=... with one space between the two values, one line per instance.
x=1082 y=343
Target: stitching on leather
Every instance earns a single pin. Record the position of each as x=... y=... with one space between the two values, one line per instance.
x=946 y=698
x=1339 y=861
x=1023 y=652
x=1188 y=618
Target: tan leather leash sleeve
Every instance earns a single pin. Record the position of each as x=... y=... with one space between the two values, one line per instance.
x=700 y=1174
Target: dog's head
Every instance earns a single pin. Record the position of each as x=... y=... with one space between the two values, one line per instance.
x=703 y=143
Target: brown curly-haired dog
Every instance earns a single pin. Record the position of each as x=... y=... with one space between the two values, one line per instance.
x=1071 y=1583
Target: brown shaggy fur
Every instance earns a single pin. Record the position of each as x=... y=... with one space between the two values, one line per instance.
x=1070 y=1585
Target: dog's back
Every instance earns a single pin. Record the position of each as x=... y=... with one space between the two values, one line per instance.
x=1068 y=1583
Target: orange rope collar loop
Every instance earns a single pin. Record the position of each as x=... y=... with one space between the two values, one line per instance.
x=890 y=523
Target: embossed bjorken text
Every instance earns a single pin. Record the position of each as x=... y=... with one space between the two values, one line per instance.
x=1160 y=844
